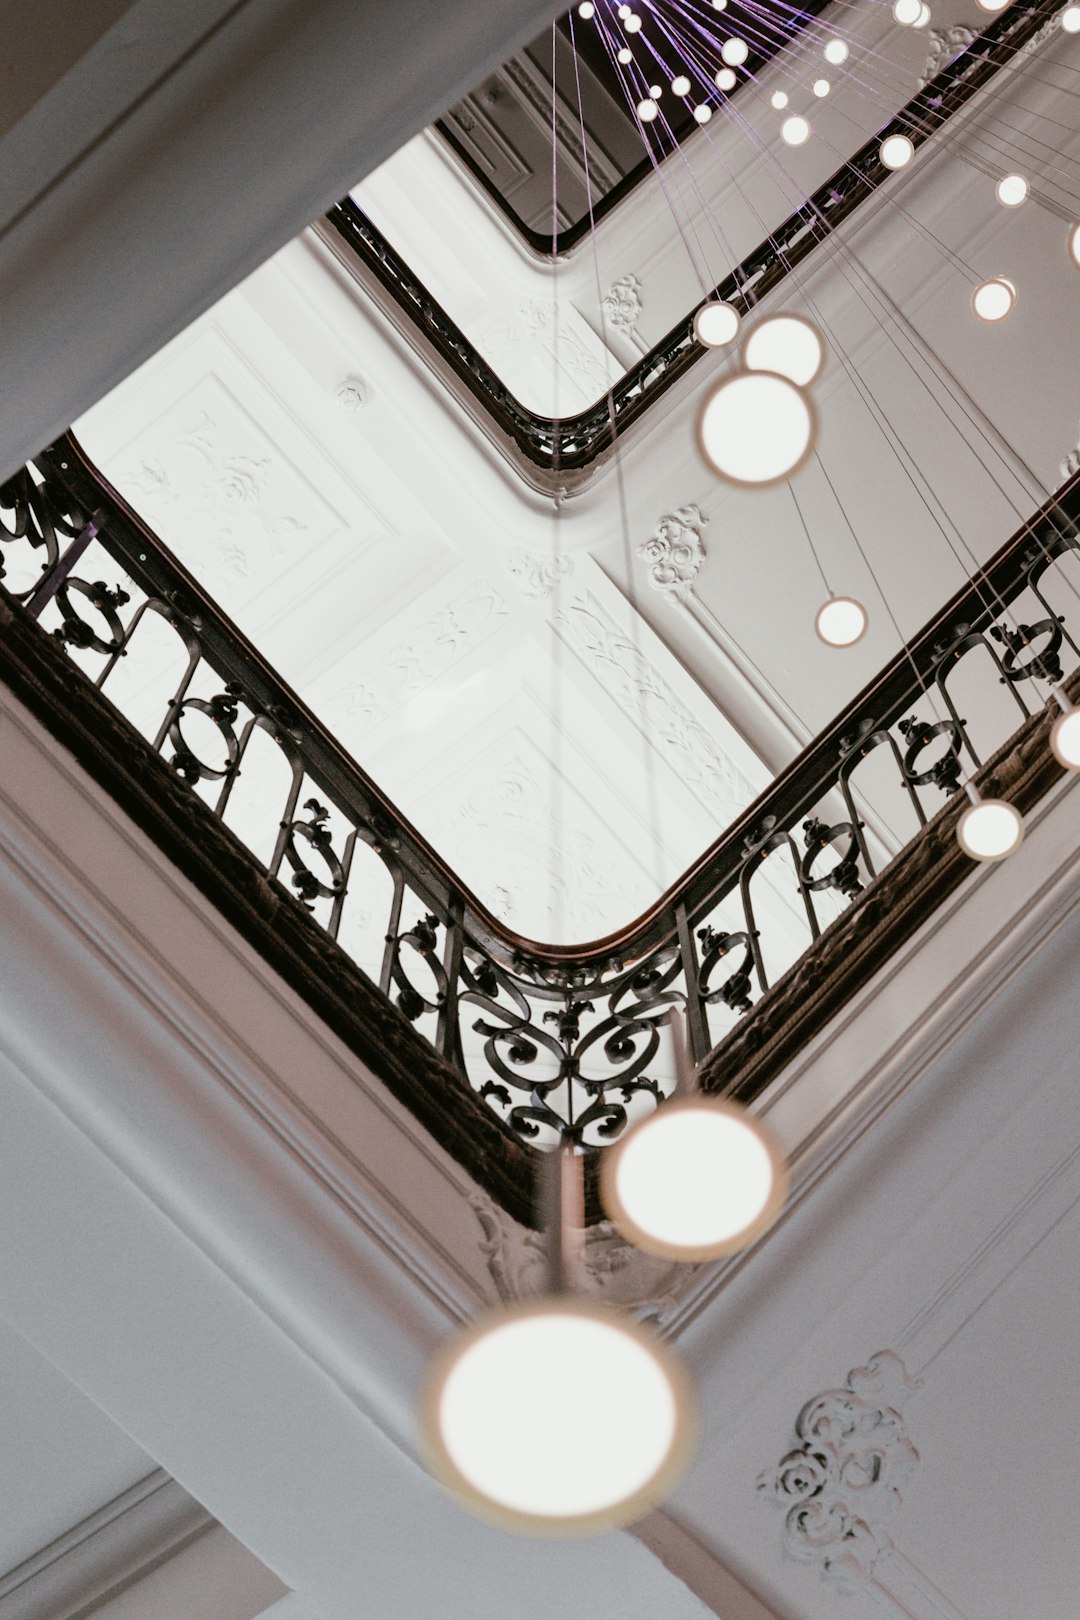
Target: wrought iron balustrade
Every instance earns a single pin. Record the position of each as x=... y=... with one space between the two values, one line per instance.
x=571 y=444
x=553 y=1038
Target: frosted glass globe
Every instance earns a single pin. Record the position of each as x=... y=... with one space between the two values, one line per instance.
x=725 y=79
x=990 y=830
x=1070 y=19
x=680 y=85
x=1011 y=190
x=1065 y=739
x=795 y=131
x=906 y=12
x=734 y=52
x=698 y=1178
x=821 y=87
x=647 y=110
x=836 y=51
x=558 y=1417
x=1074 y=244
x=703 y=112
x=992 y=300
x=716 y=325
x=790 y=345
x=993 y=5
x=779 y=99
x=896 y=151
x=841 y=621
x=756 y=428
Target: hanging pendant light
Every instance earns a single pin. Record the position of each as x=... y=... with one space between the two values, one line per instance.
x=896 y=151
x=989 y=829
x=1011 y=190
x=841 y=621
x=512 y=1421
x=789 y=345
x=994 y=298
x=1074 y=237
x=1065 y=732
x=716 y=325
x=699 y=1178
x=756 y=428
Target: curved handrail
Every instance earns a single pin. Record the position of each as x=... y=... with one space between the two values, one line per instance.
x=539 y=1029
x=573 y=443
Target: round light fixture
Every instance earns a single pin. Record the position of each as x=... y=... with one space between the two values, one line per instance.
x=633 y=23
x=992 y=300
x=1074 y=244
x=841 y=621
x=924 y=16
x=626 y=55
x=992 y=5
x=734 y=52
x=656 y=91
x=647 y=110
x=906 y=12
x=680 y=85
x=779 y=99
x=989 y=829
x=703 y=112
x=821 y=87
x=836 y=51
x=756 y=428
x=512 y=1419
x=725 y=79
x=896 y=151
x=795 y=131
x=586 y=9
x=697 y=1179
x=1011 y=190
x=1065 y=733
x=1070 y=19
x=716 y=325
x=789 y=345
x=719 y=5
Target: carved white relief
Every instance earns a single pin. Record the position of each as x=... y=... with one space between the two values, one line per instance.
x=429 y=652
x=642 y=693
x=611 y=1268
x=945 y=43
x=222 y=494
x=674 y=553
x=1071 y=463
x=841 y=1483
x=537 y=576
x=621 y=304
x=544 y=874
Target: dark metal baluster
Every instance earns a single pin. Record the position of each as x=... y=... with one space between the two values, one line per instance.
x=446 y=1033
x=696 y=1019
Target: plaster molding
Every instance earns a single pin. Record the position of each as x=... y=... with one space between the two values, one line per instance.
x=618 y=662
x=104 y=1554
x=945 y=43
x=537 y=576
x=674 y=553
x=611 y=1268
x=621 y=304
x=840 y=1485
x=1070 y=464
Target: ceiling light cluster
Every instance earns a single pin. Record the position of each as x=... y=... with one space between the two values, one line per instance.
x=699 y=1178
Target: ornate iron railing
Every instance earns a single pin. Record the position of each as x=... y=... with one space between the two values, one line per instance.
x=568 y=445
x=555 y=1039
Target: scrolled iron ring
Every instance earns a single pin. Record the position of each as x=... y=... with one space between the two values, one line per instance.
x=736 y=988
x=421 y=938
x=944 y=772
x=79 y=632
x=308 y=885
x=185 y=760
x=844 y=875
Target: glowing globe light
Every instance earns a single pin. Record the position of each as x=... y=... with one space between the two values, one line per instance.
x=756 y=428
x=896 y=151
x=779 y=100
x=647 y=110
x=656 y=91
x=1074 y=244
x=697 y=1179
x=841 y=621
x=624 y=12
x=906 y=12
x=989 y=829
x=795 y=131
x=734 y=52
x=586 y=9
x=1070 y=19
x=725 y=79
x=836 y=51
x=633 y=23
x=703 y=112
x=1011 y=190
x=719 y=5
x=821 y=87
x=626 y=55
x=680 y=85
x=716 y=325
x=992 y=300
x=924 y=16
x=1065 y=733
x=511 y=1418
x=992 y=5
x=789 y=345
